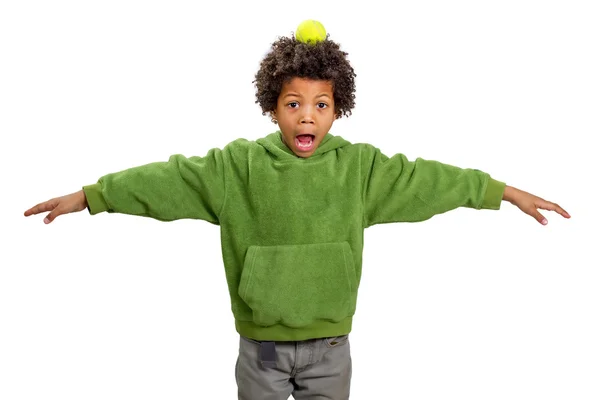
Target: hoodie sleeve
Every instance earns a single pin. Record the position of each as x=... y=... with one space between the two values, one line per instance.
x=179 y=188
x=398 y=190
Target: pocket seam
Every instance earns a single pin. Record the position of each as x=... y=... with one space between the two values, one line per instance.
x=250 y=272
x=348 y=272
x=338 y=344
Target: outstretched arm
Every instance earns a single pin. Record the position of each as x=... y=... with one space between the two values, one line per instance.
x=175 y=189
x=398 y=190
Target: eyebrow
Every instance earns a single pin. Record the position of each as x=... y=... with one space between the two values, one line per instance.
x=297 y=95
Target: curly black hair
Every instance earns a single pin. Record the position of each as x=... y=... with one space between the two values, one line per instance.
x=291 y=58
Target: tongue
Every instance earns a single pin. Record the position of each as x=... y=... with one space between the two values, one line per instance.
x=304 y=138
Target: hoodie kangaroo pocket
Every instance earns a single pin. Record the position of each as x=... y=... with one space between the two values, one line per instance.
x=295 y=285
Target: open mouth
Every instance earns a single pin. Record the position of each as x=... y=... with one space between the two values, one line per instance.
x=305 y=142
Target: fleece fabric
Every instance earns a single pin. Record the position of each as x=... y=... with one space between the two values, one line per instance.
x=291 y=227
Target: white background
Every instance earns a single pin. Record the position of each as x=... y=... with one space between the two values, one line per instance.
x=468 y=305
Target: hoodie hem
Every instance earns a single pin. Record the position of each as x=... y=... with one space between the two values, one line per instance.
x=316 y=330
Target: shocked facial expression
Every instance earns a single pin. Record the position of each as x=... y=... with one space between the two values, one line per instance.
x=305 y=112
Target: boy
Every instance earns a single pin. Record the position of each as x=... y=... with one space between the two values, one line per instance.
x=292 y=208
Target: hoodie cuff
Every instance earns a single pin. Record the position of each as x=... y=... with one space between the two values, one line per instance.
x=493 y=195
x=95 y=200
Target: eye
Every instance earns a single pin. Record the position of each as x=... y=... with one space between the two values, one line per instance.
x=291 y=104
x=322 y=105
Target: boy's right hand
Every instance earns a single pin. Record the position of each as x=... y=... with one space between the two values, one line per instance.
x=73 y=202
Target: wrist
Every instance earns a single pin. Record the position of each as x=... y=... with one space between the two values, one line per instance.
x=83 y=198
x=510 y=193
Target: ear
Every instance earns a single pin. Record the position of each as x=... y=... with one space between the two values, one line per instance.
x=273 y=115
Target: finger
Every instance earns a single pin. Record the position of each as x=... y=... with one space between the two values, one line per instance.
x=52 y=216
x=539 y=217
x=42 y=207
x=546 y=205
x=561 y=211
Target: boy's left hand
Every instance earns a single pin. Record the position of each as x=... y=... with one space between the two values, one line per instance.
x=529 y=204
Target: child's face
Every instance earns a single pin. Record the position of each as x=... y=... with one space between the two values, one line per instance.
x=305 y=112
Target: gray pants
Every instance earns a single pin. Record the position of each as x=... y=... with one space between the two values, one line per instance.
x=310 y=369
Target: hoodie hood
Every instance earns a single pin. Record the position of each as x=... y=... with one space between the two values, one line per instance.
x=274 y=144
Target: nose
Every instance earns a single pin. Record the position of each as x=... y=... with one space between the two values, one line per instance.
x=307 y=117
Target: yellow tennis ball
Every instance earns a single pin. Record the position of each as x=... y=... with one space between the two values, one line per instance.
x=311 y=31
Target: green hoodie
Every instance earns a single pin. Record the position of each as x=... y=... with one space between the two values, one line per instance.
x=291 y=227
